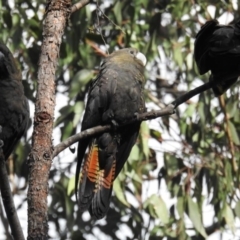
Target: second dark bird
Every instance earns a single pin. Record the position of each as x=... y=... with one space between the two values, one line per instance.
x=115 y=96
x=217 y=49
x=14 y=108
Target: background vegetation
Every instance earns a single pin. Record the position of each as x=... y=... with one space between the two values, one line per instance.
x=182 y=178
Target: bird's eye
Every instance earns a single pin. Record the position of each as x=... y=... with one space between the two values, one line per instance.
x=132 y=52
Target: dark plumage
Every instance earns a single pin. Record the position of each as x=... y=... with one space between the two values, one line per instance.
x=14 y=109
x=217 y=49
x=115 y=96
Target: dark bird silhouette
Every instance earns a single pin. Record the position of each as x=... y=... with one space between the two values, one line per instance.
x=217 y=49
x=14 y=108
x=115 y=97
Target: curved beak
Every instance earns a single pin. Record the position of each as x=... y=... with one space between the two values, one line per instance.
x=140 y=56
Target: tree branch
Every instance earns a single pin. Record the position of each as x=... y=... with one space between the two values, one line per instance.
x=100 y=129
x=5 y=222
x=193 y=93
x=8 y=202
x=79 y=5
x=170 y=109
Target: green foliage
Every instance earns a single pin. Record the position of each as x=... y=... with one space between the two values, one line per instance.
x=193 y=154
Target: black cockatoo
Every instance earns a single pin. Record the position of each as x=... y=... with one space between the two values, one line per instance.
x=115 y=97
x=14 y=108
x=217 y=48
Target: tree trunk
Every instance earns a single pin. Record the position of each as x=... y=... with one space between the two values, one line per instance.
x=40 y=158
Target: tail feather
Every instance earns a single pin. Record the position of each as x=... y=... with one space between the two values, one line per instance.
x=88 y=177
x=82 y=146
x=96 y=179
x=103 y=192
x=129 y=137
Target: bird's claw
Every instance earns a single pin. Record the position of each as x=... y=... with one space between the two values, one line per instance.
x=114 y=124
x=136 y=115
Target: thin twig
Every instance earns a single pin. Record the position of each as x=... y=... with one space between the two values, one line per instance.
x=79 y=5
x=95 y=47
x=113 y=23
x=100 y=31
x=155 y=100
x=8 y=202
x=228 y=132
